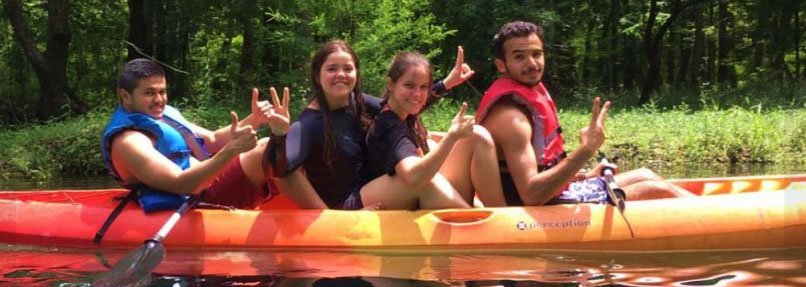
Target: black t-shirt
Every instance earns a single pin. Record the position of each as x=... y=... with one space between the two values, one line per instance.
x=305 y=147
x=389 y=141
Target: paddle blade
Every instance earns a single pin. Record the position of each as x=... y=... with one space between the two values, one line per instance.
x=135 y=266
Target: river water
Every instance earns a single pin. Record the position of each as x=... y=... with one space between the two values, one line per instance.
x=50 y=266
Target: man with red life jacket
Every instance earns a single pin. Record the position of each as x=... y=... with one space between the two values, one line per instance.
x=151 y=149
x=522 y=119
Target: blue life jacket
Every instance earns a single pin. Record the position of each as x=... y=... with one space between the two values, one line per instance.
x=170 y=142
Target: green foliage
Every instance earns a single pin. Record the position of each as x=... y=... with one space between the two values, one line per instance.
x=72 y=147
x=681 y=136
x=45 y=151
x=398 y=25
x=593 y=49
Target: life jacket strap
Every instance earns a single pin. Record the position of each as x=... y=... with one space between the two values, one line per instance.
x=112 y=216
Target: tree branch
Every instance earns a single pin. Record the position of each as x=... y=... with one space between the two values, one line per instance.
x=139 y=51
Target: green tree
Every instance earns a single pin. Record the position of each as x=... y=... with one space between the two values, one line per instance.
x=50 y=65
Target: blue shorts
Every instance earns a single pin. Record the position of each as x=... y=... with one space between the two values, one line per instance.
x=591 y=190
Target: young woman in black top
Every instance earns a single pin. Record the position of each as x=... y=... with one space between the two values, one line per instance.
x=463 y=163
x=321 y=162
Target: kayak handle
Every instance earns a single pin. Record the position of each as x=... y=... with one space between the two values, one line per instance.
x=462 y=216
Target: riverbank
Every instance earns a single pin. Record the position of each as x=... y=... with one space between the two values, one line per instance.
x=643 y=136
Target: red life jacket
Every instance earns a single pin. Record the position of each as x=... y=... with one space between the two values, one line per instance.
x=547 y=139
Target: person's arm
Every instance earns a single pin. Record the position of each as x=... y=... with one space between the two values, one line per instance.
x=535 y=188
x=297 y=187
x=135 y=157
x=414 y=171
x=263 y=112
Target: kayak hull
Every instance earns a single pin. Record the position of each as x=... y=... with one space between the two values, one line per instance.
x=730 y=213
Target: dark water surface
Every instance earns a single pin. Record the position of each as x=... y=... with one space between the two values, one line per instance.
x=46 y=266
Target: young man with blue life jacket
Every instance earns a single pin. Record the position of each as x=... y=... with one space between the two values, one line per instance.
x=535 y=169
x=150 y=148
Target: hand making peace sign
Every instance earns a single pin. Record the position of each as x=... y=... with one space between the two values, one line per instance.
x=280 y=118
x=592 y=137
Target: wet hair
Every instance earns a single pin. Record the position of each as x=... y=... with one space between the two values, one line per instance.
x=355 y=104
x=515 y=29
x=136 y=70
x=400 y=64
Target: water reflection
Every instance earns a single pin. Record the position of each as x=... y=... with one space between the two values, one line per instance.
x=30 y=266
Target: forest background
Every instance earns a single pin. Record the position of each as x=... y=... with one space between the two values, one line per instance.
x=691 y=81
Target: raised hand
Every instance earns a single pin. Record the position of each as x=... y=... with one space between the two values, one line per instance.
x=242 y=139
x=280 y=118
x=460 y=72
x=592 y=137
x=261 y=110
x=461 y=125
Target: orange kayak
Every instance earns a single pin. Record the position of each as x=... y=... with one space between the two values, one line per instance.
x=729 y=213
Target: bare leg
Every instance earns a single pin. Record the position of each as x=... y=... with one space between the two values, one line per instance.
x=472 y=166
x=252 y=163
x=643 y=183
x=393 y=194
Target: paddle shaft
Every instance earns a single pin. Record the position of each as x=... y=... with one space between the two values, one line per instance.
x=192 y=201
x=616 y=200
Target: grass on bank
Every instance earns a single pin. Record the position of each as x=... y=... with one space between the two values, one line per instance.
x=649 y=136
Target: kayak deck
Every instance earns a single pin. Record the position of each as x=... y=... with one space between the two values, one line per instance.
x=731 y=213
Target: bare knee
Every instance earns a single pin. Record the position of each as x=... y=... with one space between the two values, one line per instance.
x=650 y=189
x=644 y=174
x=482 y=137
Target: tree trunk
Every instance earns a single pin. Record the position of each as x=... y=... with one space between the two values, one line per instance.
x=141 y=29
x=247 y=68
x=671 y=58
x=50 y=66
x=697 y=49
x=612 y=61
x=797 y=41
x=779 y=42
x=761 y=34
x=684 y=48
x=220 y=80
x=173 y=25
x=653 y=43
x=584 y=77
x=725 y=73
x=710 y=60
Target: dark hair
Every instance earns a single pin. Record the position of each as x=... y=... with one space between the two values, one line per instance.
x=137 y=69
x=355 y=103
x=402 y=62
x=514 y=29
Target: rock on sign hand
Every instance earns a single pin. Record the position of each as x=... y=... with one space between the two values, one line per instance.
x=460 y=73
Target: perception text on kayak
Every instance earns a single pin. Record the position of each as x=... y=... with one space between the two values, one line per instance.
x=552 y=224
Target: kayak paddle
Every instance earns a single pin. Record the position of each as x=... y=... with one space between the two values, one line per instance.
x=141 y=261
x=615 y=195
